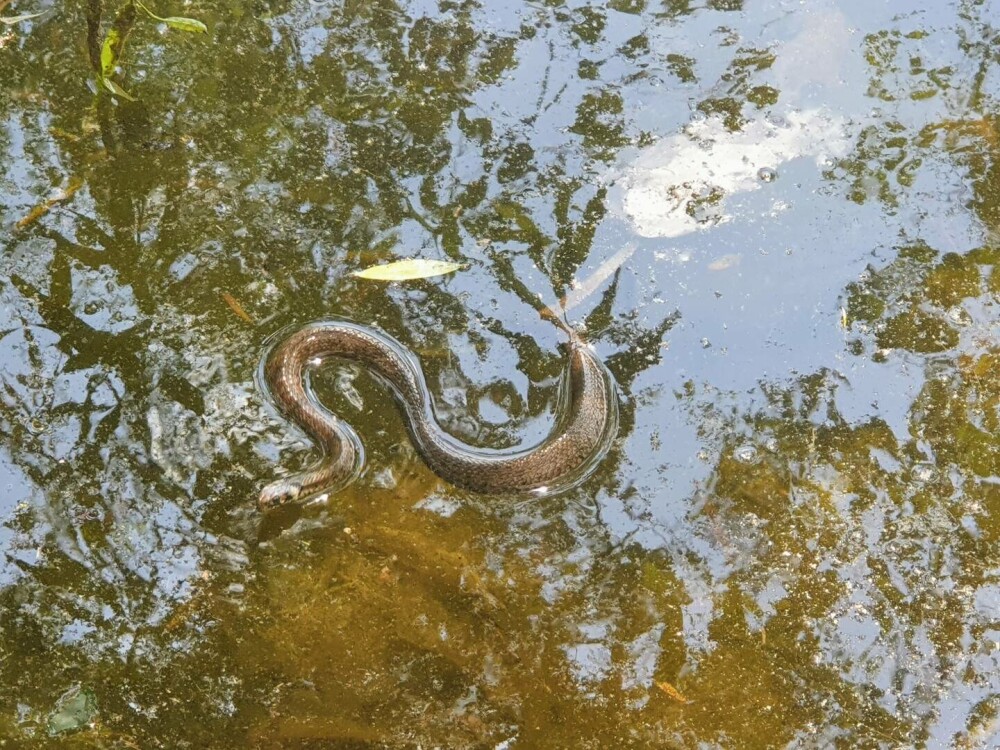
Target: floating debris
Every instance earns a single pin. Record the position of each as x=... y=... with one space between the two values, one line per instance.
x=236 y=307
x=74 y=184
x=405 y=270
x=76 y=709
x=767 y=174
x=671 y=692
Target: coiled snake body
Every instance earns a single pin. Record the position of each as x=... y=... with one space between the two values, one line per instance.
x=577 y=442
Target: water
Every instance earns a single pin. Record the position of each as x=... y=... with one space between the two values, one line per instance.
x=774 y=221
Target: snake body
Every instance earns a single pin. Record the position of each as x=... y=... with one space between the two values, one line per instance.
x=577 y=442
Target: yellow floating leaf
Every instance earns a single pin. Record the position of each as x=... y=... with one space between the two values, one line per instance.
x=404 y=270
x=671 y=691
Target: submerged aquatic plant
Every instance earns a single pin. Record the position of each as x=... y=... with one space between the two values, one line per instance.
x=104 y=56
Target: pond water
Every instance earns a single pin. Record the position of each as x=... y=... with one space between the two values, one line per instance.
x=776 y=222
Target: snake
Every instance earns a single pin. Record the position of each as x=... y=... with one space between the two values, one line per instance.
x=585 y=424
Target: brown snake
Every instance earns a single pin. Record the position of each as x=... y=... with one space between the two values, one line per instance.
x=578 y=441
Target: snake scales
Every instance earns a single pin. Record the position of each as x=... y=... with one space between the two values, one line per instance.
x=581 y=436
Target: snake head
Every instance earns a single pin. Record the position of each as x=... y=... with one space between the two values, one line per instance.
x=279 y=493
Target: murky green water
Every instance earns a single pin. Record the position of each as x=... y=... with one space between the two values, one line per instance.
x=775 y=221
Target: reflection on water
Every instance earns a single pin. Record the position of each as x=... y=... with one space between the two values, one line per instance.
x=681 y=184
x=793 y=540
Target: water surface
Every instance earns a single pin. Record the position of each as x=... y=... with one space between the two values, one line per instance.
x=777 y=224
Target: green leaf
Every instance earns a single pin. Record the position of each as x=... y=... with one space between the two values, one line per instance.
x=115 y=89
x=109 y=53
x=11 y=20
x=412 y=268
x=114 y=42
x=178 y=22
x=185 y=24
